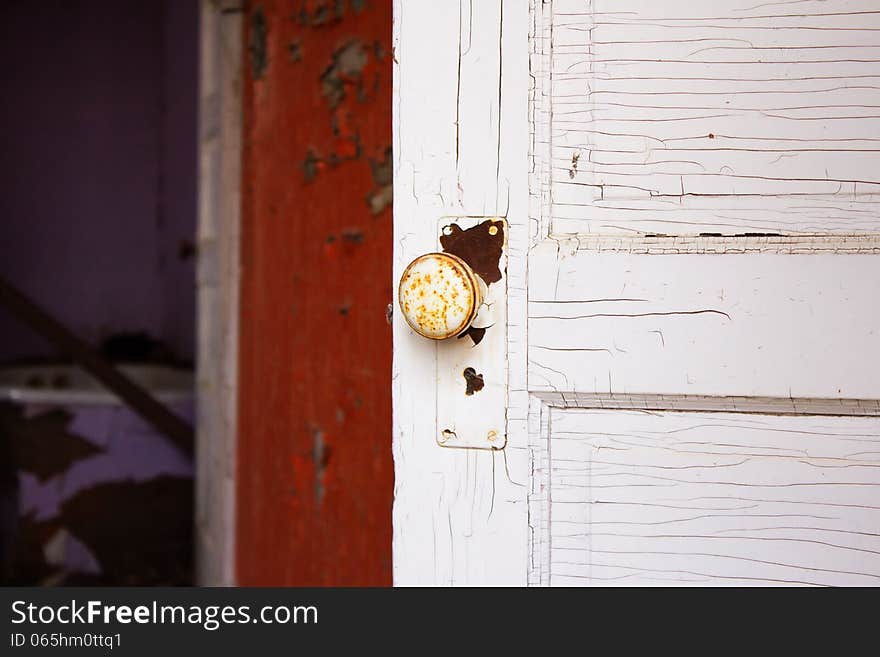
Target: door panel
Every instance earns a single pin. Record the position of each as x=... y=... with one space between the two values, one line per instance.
x=713 y=498
x=752 y=324
x=728 y=116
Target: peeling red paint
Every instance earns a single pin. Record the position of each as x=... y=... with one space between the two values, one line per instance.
x=380 y=197
x=315 y=474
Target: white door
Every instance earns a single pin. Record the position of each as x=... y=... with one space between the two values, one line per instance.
x=677 y=382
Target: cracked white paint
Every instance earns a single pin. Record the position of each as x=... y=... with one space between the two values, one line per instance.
x=713 y=498
x=677 y=302
x=460 y=515
x=729 y=116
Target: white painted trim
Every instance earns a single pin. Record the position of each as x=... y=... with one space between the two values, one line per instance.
x=710 y=404
x=218 y=288
x=730 y=245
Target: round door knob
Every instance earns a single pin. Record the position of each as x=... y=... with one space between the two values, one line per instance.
x=439 y=295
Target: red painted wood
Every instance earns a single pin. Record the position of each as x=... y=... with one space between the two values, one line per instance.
x=315 y=475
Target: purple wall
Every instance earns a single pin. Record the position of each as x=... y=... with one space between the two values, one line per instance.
x=98 y=158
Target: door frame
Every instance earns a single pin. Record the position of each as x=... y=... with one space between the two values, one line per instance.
x=270 y=510
x=218 y=280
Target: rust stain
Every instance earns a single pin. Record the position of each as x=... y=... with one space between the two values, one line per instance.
x=439 y=296
x=480 y=247
x=475 y=334
x=473 y=381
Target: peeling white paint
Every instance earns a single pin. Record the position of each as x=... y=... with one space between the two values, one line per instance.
x=693 y=250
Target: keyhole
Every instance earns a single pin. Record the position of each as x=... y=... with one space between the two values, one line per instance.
x=474 y=382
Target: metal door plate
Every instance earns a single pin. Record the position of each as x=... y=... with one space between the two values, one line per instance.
x=472 y=368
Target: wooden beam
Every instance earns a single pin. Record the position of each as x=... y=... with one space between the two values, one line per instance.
x=133 y=395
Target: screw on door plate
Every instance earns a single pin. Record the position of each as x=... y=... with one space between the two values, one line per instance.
x=493 y=440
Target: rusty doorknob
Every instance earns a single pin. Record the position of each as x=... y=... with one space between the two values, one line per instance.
x=439 y=295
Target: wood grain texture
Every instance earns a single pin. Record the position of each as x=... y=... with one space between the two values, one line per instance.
x=713 y=498
x=728 y=117
x=315 y=475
